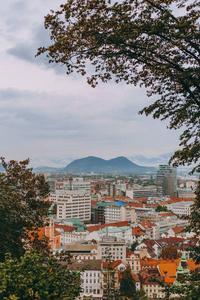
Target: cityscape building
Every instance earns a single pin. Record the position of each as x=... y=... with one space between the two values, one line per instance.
x=72 y=204
x=166 y=181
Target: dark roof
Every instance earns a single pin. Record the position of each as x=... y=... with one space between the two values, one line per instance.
x=79 y=264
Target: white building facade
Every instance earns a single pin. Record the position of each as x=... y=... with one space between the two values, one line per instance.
x=72 y=204
x=181 y=208
x=114 y=213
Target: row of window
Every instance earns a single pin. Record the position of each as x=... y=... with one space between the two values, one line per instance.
x=92 y=281
x=92 y=291
x=92 y=274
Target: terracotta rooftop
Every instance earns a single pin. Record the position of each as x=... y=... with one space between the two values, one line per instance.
x=66 y=228
x=178 y=229
x=137 y=231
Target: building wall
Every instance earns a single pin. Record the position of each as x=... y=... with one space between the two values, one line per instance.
x=134 y=262
x=181 y=208
x=154 y=290
x=77 y=184
x=91 y=283
x=167 y=180
x=70 y=237
x=114 y=249
x=72 y=205
x=119 y=213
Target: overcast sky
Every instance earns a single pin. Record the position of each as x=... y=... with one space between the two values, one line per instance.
x=47 y=115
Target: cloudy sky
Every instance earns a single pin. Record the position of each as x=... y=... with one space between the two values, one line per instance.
x=47 y=115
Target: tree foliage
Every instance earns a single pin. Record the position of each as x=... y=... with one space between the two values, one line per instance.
x=141 y=295
x=151 y=43
x=127 y=284
x=160 y=208
x=134 y=245
x=170 y=253
x=22 y=208
x=188 y=287
x=36 y=276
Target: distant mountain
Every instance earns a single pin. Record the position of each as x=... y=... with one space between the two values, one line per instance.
x=119 y=165
x=47 y=169
x=41 y=162
x=153 y=161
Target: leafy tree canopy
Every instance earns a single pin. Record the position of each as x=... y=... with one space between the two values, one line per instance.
x=141 y=295
x=151 y=43
x=22 y=208
x=134 y=245
x=160 y=208
x=170 y=253
x=35 y=276
x=127 y=284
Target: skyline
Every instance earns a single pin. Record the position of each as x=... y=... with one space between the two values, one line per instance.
x=45 y=114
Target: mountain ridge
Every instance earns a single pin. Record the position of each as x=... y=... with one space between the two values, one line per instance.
x=118 y=165
x=93 y=164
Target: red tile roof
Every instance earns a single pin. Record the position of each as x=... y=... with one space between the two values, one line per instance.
x=177 y=229
x=66 y=228
x=56 y=232
x=137 y=231
x=99 y=227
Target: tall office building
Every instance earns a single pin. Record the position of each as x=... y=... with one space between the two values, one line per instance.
x=166 y=181
x=77 y=184
x=73 y=199
x=72 y=204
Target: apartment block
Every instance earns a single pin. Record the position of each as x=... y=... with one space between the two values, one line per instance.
x=91 y=278
x=72 y=204
x=166 y=180
x=121 y=212
x=111 y=248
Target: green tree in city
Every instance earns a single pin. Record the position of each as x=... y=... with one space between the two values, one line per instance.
x=127 y=284
x=155 y=44
x=134 y=245
x=37 y=276
x=22 y=208
x=170 y=253
x=141 y=295
x=160 y=208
